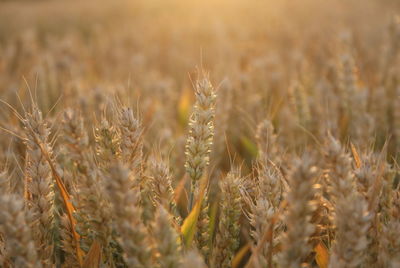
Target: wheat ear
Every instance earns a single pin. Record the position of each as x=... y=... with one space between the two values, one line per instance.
x=201 y=125
x=19 y=245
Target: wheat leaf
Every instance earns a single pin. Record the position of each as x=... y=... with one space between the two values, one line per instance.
x=189 y=224
x=93 y=258
x=321 y=255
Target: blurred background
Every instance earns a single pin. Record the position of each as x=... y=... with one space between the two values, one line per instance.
x=282 y=60
x=172 y=36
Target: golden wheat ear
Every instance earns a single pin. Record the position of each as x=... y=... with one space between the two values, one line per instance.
x=20 y=249
x=161 y=186
x=132 y=233
x=39 y=181
x=201 y=132
x=297 y=218
x=227 y=239
x=167 y=240
x=131 y=139
x=352 y=219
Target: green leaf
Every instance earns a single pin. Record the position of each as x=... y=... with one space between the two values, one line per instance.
x=240 y=255
x=250 y=146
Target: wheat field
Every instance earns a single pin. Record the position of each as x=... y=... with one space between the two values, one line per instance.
x=194 y=134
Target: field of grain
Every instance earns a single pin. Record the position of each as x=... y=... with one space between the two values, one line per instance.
x=194 y=134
